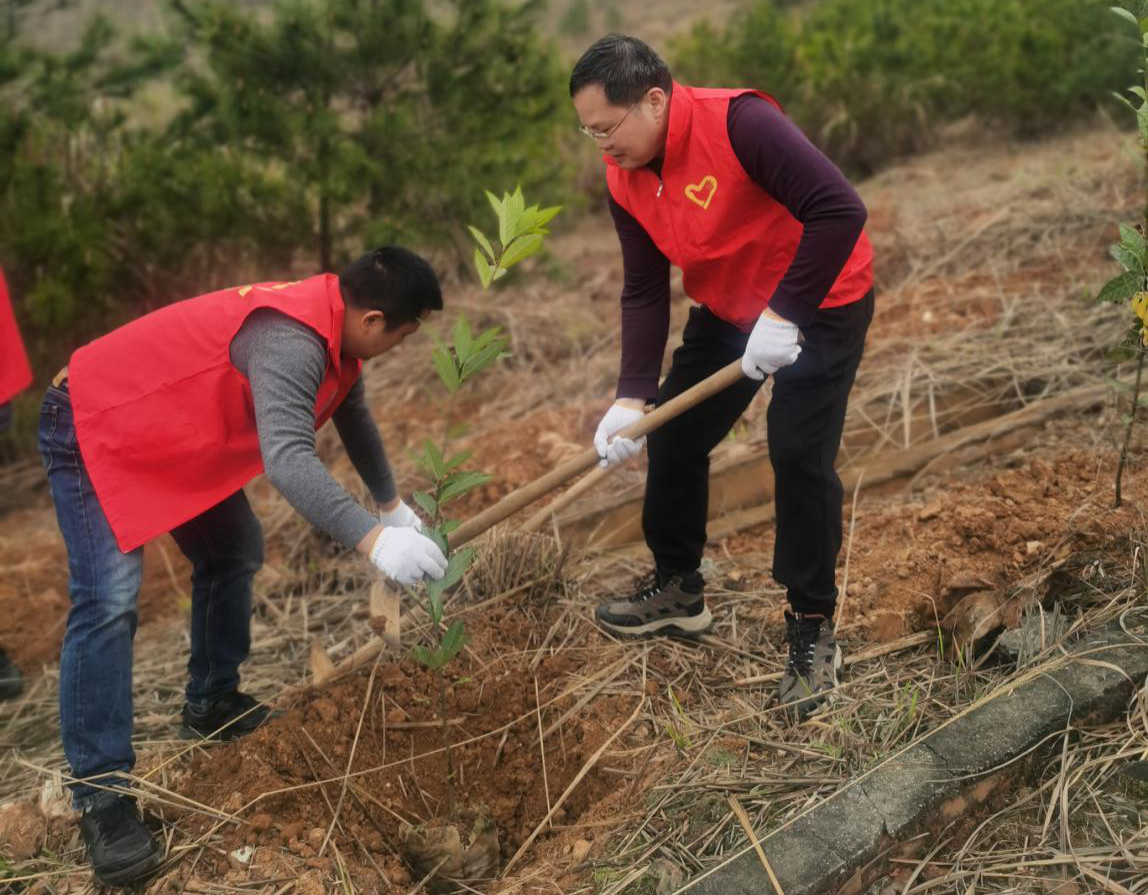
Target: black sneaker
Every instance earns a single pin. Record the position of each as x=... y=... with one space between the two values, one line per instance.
x=11 y=681
x=229 y=718
x=672 y=601
x=119 y=845
x=814 y=658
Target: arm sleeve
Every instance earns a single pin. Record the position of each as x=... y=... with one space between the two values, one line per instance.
x=779 y=158
x=285 y=362
x=645 y=307
x=360 y=437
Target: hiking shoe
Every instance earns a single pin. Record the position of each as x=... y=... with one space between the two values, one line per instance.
x=814 y=658
x=120 y=847
x=11 y=681
x=659 y=602
x=229 y=718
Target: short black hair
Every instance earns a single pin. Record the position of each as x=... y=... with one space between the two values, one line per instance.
x=625 y=67
x=393 y=280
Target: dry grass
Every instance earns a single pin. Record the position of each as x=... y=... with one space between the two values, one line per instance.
x=981 y=310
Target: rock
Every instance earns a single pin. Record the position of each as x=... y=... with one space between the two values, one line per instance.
x=461 y=855
x=1038 y=629
x=579 y=850
x=667 y=876
x=22 y=830
x=54 y=802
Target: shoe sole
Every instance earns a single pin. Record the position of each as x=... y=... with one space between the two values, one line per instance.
x=690 y=625
x=132 y=873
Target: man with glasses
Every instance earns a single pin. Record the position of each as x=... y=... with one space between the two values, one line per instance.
x=769 y=236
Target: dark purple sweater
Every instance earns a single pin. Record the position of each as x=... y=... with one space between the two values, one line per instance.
x=779 y=158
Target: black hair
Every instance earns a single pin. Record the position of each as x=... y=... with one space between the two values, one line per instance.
x=393 y=280
x=625 y=67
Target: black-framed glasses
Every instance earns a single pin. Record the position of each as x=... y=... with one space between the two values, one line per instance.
x=606 y=135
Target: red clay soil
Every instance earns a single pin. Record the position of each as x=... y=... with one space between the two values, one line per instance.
x=496 y=756
x=914 y=557
x=34 y=587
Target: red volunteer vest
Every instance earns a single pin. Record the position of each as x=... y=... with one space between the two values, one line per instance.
x=731 y=239
x=166 y=424
x=15 y=371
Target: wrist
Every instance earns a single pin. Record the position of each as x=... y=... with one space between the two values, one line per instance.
x=632 y=404
x=391 y=505
x=773 y=315
x=364 y=546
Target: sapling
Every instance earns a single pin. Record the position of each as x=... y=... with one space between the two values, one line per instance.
x=521 y=230
x=1131 y=252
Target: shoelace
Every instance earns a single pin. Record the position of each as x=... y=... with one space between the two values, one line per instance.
x=646 y=586
x=801 y=635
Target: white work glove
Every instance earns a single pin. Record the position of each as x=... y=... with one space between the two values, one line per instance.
x=406 y=556
x=401 y=516
x=611 y=449
x=772 y=345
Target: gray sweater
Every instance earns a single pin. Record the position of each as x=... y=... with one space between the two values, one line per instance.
x=285 y=362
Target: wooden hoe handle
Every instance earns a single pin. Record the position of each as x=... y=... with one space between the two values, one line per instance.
x=556 y=478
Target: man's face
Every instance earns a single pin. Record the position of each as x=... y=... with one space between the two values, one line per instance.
x=365 y=333
x=632 y=136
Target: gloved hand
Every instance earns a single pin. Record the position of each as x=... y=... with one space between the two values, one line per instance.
x=401 y=516
x=611 y=449
x=772 y=345
x=406 y=556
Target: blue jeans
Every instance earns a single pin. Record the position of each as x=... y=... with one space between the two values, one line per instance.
x=225 y=547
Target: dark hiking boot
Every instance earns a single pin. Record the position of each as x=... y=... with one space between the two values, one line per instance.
x=11 y=681
x=811 y=673
x=120 y=847
x=229 y=718
x=674 y=603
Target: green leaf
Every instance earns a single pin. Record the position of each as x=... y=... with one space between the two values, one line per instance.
x=447 y=369
x=434 y=605
x=457 y=460
x=462 y=339
x=460 y=482
x=480 y=360
x=485 y=271
x=523 y=247
x=438 y=537
x=1131 y=239
x=1126 y=259
x=426 y=503
x=481 y=239
x=456 y=567
x=496 y=205
x=423 y=656
x=449 y=525
x=432 y=457
x=1125 y=14
x=453 y=640
x=545 y=216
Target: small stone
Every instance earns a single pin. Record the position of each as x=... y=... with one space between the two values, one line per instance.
x=579 y=850
x=261 y=823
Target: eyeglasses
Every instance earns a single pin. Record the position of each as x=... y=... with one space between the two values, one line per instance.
x=606 y=135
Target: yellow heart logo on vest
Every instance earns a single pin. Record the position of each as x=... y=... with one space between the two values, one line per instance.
x=702 y=192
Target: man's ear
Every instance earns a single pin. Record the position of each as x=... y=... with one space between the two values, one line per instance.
x=373 y=320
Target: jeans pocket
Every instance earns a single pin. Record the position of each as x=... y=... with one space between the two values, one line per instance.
x=49 y=420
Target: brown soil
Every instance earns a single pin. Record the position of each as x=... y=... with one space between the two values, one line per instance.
x=268 y=779
x=914 y=556
x=34 y=587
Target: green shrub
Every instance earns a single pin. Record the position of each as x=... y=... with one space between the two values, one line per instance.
x=873 y=79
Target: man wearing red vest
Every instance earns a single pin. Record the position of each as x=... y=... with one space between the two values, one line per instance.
x=156 y=427
x=769 y=237
x=15 y=376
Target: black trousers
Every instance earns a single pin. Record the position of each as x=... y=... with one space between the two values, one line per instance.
x=803 y=425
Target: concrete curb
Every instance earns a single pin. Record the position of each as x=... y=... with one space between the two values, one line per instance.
x=843 y=843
